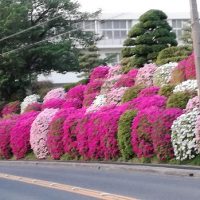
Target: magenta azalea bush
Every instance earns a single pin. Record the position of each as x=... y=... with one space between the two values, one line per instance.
x=56 y=131
x=88 y=99
x=151 y=133
x=11 y=108
x=53 y=103
x=141 y=103
x=58 y=93
x=99 y=73
x=39 y=131
x=127 y=80
x=150 y=91
x=33 y=107
x=72 y=103
x=76 y=92
x=20 y=135
x=93 y=87
x=5 y=130
x=190 y=71
x=145 y=75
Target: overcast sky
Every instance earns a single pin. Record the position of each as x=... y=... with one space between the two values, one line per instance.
x=136 y=6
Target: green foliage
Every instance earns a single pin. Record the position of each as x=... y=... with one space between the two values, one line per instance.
x=131 y=93
x=186 y=37
x=68 y=86
x=147 y=38
x=124 y=134
x=178 y=100
x=166 y=90
x=173 y=54
x=19 y=68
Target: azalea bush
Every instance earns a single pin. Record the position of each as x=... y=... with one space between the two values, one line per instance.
x=192 y=104
x=76 y=92
x=141 y=103
x=114 y=71
x=93 y=87
x=183 y=136
x=11 y=108
x=150 y=91
x=53 y=103
x=20 y=135
x=127 y=80
x=189 y=86
x=145 y=75
x=190 y=70
x=39 y=131
x=124 y=134
x=72 y=103
x=88 y=99
x=33 y=107
x=56 y=131
x=58 y=93
x=99 y=73
x=162 y=74
x=34 y=98
x=5 y=130
x=197 y=133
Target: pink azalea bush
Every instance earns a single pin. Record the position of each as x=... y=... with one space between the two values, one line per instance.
x=20 y=135
x=141 y=103
x=76 y=92
x=115 y=96
x=190 y=71
x=69 y=140
x=197 y=133
x=145 y=75
x=151 y=133
x=53 y=103
x=192 y=104
x=56 y=131
x=58 y=93
x=127 y=80
x=93 y=87
x=99 y=73
x=88 y=99
x=150 y=91
x=5 y=130
x=10 y=108
x=114 y=71
x=39 y=131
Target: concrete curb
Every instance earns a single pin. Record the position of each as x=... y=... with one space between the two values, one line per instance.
x=188 y=171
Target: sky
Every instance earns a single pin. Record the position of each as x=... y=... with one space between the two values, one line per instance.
x=136 y=6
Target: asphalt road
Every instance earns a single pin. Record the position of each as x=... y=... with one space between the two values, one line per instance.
x=138 y=185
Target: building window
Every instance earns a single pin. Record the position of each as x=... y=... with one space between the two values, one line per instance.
x=119 y=24
x=120 y=34
x=107 y=35
x=107 y=24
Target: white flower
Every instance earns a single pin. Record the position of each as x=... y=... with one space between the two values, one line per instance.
x=29 y=100
x=186 y=86
x=183 y=135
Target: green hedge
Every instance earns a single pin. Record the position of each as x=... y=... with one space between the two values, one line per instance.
x=166 y=90
x=124 y=134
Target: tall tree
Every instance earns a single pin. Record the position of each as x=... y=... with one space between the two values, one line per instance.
x=49 y=18
x=149 y=36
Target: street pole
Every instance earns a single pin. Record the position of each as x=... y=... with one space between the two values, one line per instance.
x=196 y=39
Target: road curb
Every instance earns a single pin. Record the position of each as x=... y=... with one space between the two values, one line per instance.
x=189 y=171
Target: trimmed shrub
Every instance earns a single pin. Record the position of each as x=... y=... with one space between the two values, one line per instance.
x=72 y=103
x=131 y=93
x=33 y=107
x=178 y=74
x=93 y=87
x=178 y=100
x=189 y=86
x=55 y=133
x=99 y=73
x=166 y=90
x=20 y=135
x=69 y=86
x=192 y=104
x=88 y=99
x=76 y=92
x=173 y=54
x=39 y=131
x=124 y=134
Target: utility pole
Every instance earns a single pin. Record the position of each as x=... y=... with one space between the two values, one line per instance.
x=196 y=39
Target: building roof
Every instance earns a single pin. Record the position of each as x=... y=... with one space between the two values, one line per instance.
x=132 y=16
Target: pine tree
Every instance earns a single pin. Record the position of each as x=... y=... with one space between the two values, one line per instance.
x=146 y=39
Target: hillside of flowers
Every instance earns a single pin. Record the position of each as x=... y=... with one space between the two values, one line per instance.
x=148 y=113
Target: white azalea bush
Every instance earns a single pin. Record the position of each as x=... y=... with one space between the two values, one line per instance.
x=187 y=86
x=58 y=93
x=192 y=104
x=183 y=136
x=162 y=75
x=99 y=101
x=28 y=101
